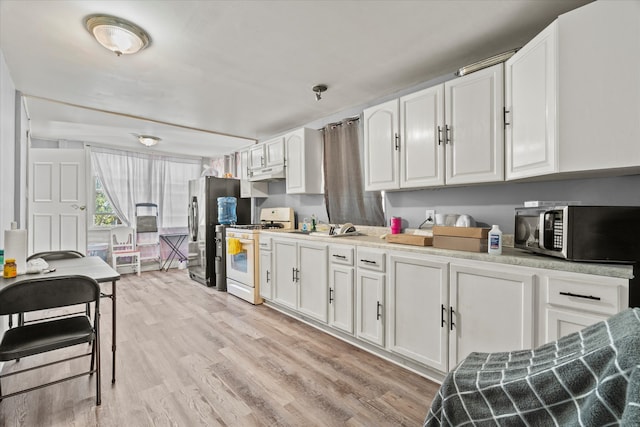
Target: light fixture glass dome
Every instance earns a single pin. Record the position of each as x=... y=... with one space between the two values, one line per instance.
x=119 y=36
x=148 y=140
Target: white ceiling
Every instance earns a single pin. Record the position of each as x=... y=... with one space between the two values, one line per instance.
x=219 y=74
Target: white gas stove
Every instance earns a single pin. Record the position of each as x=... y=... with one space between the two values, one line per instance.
x=243 y=252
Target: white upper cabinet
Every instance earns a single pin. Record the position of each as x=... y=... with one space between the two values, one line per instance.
x=256 y=157
x=250 y=189
x=530 y=91
x=573 y=95
x=381 y=147
x=274 y=152
x=304 y=162
x=459 y=124
x=474 y=134
x=421 y=148
x=266 y=160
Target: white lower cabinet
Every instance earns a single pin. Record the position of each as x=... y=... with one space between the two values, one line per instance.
x=300 y=277
x=341 y=288
x=370 y=293
x=491 y=309
x=573 y=301
x=370 y=307
x=564 y=322
x=417 y=309
x=431 y=311
x=266 y=278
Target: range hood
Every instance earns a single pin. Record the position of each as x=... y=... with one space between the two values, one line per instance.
x=274 y=173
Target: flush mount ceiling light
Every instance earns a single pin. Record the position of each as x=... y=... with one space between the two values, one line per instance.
x=116 y=34
x=148 y=140
x=318 y=90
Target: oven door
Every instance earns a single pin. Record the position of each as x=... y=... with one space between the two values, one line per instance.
x=241 y=265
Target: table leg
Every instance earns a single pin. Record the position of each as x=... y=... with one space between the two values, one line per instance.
x=113 y=332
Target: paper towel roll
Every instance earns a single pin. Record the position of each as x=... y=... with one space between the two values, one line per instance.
x=15 y=246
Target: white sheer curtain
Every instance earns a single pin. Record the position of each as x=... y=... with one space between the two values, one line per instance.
x=129 y=178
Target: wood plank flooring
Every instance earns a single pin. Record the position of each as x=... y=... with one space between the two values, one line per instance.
x=189 y=355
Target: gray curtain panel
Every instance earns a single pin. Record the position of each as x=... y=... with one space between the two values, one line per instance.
x=344 y=193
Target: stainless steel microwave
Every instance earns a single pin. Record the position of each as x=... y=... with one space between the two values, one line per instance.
x=580 y=233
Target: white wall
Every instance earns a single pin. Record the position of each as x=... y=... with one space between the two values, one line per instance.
x=7 y=148
x=7 y=156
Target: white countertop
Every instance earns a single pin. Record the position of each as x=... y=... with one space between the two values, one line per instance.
x=509 y=255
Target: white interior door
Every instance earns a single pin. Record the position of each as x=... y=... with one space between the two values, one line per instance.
x=57 y=200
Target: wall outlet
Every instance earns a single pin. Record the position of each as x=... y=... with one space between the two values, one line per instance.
x=430 y=217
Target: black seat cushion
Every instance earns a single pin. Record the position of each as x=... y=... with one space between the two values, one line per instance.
x=41 y=337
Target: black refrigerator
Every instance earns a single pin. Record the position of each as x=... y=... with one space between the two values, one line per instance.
x=207 y=249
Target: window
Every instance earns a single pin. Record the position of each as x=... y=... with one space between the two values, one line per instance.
x=103 y=214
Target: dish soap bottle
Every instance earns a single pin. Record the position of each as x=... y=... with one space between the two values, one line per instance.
x=495 y=240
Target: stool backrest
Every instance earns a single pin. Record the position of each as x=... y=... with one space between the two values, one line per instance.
x=122 y=239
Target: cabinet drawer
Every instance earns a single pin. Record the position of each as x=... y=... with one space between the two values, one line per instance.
x=579 y=295
x=341 y=255
x=265 y=243
x=371 y=260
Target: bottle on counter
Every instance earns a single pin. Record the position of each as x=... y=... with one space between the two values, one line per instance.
x=495 y=240
x=314 y=221
x=2 y=257
x=10 y=268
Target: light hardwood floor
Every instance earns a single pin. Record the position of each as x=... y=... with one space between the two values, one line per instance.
x=189 y=355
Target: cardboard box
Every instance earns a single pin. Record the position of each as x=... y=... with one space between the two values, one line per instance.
x=474 y=232
x=468 y=244
x=410 y=239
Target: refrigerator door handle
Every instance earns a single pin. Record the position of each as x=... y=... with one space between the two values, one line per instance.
x=190 y=222
x=196 y=220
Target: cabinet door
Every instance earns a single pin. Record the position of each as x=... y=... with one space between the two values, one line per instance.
x=531 y=133
x=381 y=147
x=256 y=157
x=244 y=165
x=370 y=307
x=274 y=152
x=490 y=311
x=266 y=278
x=418 y=301
x=421 y=144
x=341 y=298
x=563 y=322
x=294 y=146
x=474 y=127
x=284 y=273
x=304 y=162
x=312 y=280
